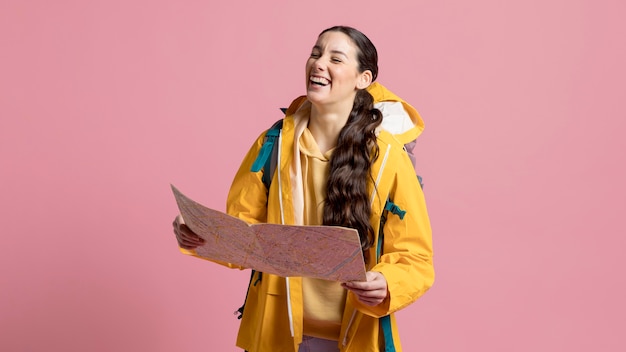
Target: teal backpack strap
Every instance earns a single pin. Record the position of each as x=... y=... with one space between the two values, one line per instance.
x=385 y=322
x=270 y=164
x=268 y=155
x=394 y=209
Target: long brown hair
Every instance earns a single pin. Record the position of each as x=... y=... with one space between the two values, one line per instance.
x=347 y=199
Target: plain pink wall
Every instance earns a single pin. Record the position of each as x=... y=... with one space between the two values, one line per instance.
x=105 y=103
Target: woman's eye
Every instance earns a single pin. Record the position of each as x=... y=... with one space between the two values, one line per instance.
x=315 y=55
x=336 y=59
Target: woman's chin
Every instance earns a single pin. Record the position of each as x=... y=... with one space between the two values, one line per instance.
x=315 y=96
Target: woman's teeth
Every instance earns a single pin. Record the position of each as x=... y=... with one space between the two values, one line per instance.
x=319 y=81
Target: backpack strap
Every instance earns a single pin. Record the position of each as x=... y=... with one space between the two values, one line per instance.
x=270 y=165
x=385 y=322
x=394 y=209
x=268 y=155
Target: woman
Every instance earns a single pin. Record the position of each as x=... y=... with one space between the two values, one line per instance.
x=339 y=163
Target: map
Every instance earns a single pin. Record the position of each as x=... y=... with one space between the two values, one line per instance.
x=325 y=252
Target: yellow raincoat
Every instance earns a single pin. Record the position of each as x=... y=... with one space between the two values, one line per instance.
x=272 y=319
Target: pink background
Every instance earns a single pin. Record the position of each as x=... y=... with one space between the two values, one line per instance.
x=105 y=103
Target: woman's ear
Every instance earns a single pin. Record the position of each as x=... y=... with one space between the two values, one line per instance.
x=364 y=80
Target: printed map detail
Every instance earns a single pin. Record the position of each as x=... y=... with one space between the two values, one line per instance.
x=324 y=252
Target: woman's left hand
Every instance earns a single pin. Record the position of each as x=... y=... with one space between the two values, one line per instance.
x=371 y=292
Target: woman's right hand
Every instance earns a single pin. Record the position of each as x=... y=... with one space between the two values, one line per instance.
x=186 y=238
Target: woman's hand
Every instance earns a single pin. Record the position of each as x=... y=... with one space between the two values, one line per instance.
x=371 y=292
x=186 y=238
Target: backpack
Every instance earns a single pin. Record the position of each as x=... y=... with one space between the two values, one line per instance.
x=268 y=159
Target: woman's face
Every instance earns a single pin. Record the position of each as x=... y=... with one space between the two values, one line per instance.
x=332 y=70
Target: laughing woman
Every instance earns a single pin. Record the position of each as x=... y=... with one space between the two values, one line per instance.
x=342 y=161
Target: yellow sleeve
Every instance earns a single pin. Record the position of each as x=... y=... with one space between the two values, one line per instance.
x=407 y=255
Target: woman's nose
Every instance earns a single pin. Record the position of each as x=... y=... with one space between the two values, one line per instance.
x=318 y=65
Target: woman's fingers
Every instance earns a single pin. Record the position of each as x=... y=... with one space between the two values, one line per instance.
x=186 y=238
x=371 y=292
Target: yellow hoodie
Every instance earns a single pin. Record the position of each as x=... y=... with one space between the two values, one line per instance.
x=272 y=319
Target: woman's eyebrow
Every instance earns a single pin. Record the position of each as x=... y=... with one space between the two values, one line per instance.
x=339 y=52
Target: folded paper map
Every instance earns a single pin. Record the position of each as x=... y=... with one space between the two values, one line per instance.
x=324 y=252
